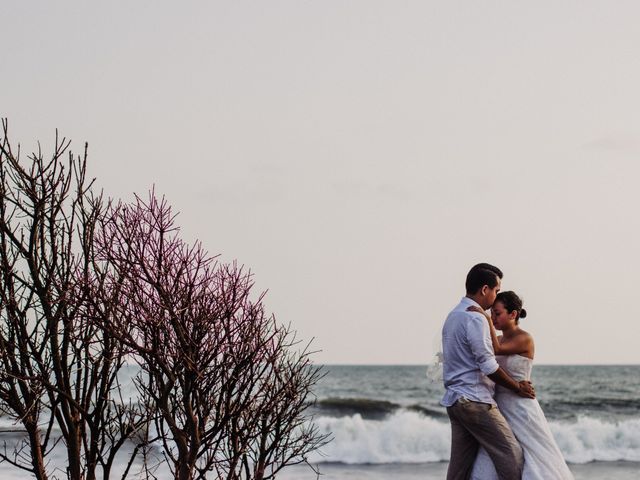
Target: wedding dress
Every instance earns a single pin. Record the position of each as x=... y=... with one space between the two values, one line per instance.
x=542 y=457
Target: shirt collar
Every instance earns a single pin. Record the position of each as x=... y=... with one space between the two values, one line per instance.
x=469 y=302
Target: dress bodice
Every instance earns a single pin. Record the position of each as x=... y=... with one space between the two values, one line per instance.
x=517 y=366
x=543 y=459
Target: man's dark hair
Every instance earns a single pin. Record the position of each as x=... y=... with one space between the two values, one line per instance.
x=480 y=275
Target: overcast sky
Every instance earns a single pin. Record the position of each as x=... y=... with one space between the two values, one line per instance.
x=361 y=156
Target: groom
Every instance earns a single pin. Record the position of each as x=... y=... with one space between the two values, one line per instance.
x=470 y=373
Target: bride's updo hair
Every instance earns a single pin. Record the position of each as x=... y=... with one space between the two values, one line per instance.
x=512 y=302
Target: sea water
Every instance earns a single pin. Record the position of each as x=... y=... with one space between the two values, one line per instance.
x=386 y=422
x=384 y=414
x=388 y=418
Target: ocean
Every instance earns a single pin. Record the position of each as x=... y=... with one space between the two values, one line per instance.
x=386 y=422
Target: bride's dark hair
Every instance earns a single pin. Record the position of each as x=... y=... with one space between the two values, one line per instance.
x=512 y=302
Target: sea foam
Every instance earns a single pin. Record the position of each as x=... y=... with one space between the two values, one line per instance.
x=403 y=437
x=410 y=437
x=589 y=439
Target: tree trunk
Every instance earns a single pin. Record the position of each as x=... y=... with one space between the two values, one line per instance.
x=37 y=458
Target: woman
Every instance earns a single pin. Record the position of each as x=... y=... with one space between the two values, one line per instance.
x=514 y=352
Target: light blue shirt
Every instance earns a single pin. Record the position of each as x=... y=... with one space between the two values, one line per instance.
x=467 y=356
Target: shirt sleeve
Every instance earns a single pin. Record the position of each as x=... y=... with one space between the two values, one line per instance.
x=480 y=341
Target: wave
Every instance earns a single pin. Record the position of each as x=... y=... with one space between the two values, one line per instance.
x=556 y=410
x=590 y=439
x=368 y=408
x=411 y=437
x=403 y=437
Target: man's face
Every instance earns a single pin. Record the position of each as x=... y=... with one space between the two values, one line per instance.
x=491 y=294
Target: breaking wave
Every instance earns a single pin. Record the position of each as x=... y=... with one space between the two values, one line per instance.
x=411 y=437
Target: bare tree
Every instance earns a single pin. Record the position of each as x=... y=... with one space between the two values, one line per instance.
x=228 y=386
x=58 y=369
x=275 y=431
x=84 y=286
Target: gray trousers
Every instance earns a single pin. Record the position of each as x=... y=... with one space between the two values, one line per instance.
x=474 y=424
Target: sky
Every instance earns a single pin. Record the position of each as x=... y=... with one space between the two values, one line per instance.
x=359 y=157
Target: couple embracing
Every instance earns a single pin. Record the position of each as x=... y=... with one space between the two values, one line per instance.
x=498 y=428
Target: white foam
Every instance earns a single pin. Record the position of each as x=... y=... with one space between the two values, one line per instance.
x=410 y=437
x=590 y=439
x=404 y=437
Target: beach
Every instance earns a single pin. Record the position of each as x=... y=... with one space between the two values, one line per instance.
x=423 y=471
x=437 y=471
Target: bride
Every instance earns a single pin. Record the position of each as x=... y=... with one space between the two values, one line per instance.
x=514 y=352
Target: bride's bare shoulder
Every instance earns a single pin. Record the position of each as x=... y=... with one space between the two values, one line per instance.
x=526 y=335
x=528 y=344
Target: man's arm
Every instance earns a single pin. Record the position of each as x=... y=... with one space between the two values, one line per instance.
x=480 y=342
x=477 y=333
x=522 y=388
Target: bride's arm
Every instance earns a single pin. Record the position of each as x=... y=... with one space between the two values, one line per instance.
x=494 y=337
x=521 y=344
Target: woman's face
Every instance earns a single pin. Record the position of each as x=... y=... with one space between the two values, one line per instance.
x=500 y=316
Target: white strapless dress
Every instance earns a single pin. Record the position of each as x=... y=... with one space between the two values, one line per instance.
x=542 y=457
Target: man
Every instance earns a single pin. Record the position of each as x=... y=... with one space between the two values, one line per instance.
x=470 y=372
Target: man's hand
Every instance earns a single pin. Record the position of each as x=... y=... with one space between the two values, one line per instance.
x=526 y=389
